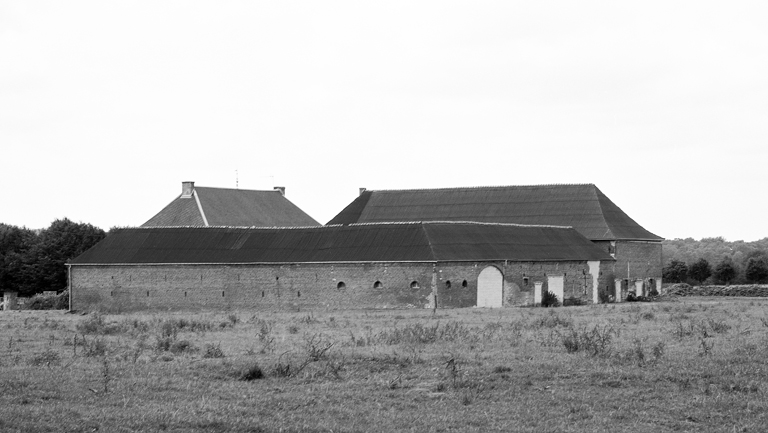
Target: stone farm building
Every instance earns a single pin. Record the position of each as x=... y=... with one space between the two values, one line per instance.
x=204 y=207
x=584 y=207
x=368 y=265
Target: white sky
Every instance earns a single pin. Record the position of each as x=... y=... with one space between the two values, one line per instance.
x=106 y=106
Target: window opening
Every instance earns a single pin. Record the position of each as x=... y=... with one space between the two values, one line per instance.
x=378 y=285
x=341 y=285
x=415 y=285
x=448 y=284
x=464 y=283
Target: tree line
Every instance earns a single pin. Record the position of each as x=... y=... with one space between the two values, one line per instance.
x=33 y=261
x=715 y=261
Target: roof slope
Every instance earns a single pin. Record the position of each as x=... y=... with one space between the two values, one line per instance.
x=583 y=207
x=429 y=241
x=231 y=207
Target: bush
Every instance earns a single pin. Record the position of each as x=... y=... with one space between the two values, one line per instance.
x=181 y=346
x=549 y=299
x=567 y=302
x=213 y=351
x=595 y=342
x=48 y=302
x=252 y=373
x=95 y=324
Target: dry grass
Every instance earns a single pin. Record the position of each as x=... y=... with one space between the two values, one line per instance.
x=692 y=365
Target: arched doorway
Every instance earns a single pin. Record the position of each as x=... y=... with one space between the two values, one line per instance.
x=490 y=284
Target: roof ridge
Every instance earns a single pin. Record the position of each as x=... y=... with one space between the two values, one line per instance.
x=238 y=189
x=454 y=188
x=385 y=223
x=459 y=222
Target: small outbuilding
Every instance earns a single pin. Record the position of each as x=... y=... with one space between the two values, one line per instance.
x=369 y=265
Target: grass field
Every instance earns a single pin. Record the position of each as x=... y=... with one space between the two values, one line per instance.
x=693 y=364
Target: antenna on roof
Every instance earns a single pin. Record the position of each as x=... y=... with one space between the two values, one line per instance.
x=237 y=180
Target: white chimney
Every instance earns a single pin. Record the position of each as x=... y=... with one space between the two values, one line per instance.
x=281 y=189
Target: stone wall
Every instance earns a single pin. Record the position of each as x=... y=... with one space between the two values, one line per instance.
x=311 y=286
x=635 y=260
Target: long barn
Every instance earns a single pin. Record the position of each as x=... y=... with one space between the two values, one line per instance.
x=582 y=206
x=376 y=265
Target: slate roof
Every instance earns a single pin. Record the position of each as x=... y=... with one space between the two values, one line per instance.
x=231 y=207
x=583 y=207
x=389 y=242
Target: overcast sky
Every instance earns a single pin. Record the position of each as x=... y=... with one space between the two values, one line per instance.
x=107 y=106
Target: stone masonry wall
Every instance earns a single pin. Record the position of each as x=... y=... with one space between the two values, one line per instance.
x=311 y=286
x=635 y=260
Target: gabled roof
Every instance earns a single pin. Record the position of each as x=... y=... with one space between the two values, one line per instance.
x=204 y=206
x=583 y=207
x=390 y=242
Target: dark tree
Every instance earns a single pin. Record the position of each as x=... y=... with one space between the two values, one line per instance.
x=15 y=244
x=757 y=270
x=700 y=270
x=675 y=272
x=725 y=272
x=62 y=241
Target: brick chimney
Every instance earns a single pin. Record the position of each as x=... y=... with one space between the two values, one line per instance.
x=186 y=189
x=281 y=189
x=362 y=190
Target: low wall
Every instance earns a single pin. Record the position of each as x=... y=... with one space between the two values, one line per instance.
x=747 y=290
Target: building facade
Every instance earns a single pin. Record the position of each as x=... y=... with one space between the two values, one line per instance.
x=638 y=252
x=385 y=265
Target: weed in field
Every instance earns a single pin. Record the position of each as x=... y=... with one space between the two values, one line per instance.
x=718 y=327
x=293 y=329
x=682 y=330
x=705 y=348
x=105 y=374
x=553 y=320
x=233 y=319
x=47 y=358
x=213 y=351
x=252 y=372
x=595 y=342
x=95 y=347
x=96 y=324
x=308 y=319
x=182 y=346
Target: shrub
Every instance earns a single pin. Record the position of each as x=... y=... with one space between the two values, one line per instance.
x=549 y=299
x=181 y=346
x=553 y=320
x=213 y=351
x=95 y=347
x=49 y=357
x=604 y=296
x=96 y=324
x=252 y=372
x=48 y=302
x=573 y=301
x=595 y=342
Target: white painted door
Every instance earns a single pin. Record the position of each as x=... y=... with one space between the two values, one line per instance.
x=639 y=288
x=489 y=288
x=537 y=292
x=556 y=286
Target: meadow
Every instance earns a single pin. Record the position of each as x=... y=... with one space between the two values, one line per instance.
x=686 y=364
